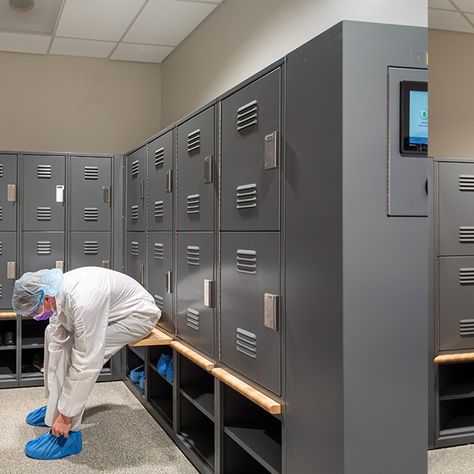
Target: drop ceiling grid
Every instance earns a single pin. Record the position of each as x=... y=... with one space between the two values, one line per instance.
x=452 y=15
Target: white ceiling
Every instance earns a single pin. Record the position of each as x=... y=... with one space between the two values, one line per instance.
x=131 y=30
x=452 y=15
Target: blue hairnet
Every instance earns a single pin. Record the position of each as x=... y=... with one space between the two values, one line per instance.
x=30 y=288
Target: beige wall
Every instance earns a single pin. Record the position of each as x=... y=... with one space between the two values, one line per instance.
x=451 y=97
x=59 y=103
x=243 y=36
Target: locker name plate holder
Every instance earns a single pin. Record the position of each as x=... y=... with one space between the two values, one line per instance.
x=271 y=311
x=271 y=151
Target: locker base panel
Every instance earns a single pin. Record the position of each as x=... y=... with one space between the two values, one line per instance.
x=155 y=338
x=447 y=441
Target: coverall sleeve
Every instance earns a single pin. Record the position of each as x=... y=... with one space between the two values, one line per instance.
x=87 y=355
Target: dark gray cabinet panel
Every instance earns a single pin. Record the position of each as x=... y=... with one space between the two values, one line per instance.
x=456 y=299
x=456 y=208
x=160 y=275
x=250 y=306
x=43 y=192
x=7 y=267
x=251 y=160
x=42 y=250
x=136 y=163
x=160 y=183
x=8 y=190
x=90 y=193
x=135 y=255
x=90 y=249
x=196 y=172
x=195 y=264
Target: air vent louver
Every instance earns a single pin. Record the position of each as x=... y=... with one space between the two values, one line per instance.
x=246 y=343
x=193 y=204
x=43 y=213
x=158 y=301
x=91 y=214
x=159 y=157
x=466 y=182
x=1 y=170
x=159 y=209
x=247 y=115
x=466 y=276
x=91 y=247
x=135 y=168
x=466 y=234
x=159 y=251
x=91 y=172
x=134 y=213
x=246 y=196
x=44 y=171
x=134 y=248
x=43 y=247
x=194 y=140
x=192 y=319
x=466 y=327
x=192 y=255
x=247 y=261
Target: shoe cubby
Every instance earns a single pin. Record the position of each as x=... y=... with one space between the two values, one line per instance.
x=256 y=431
x=133 y=362
x=32 y=363
x=238 y=461
x=456 y=381
x=456 y=417
x=32 y=333
x=8 y=366
x=156 y=362
x=160 y=394
x=8 y=338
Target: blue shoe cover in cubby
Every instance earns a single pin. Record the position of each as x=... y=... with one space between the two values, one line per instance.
x=48 y=446
x=141 y=383
x=36 y=417
x=162 y=364
x=137 y=373
x=170 y=371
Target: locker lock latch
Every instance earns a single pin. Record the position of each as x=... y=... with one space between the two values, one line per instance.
x=271 y=311
x=271 y=151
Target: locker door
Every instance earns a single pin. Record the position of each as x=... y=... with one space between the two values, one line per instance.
x=136 y=256
x=250 y=289
x=456 y=301
x=136 y=163
x=90 y=249
x=196 y=172
x=43 y=192
x=195 y=316
x=90 y=193
x=160 y=183
x=251 y=156
x=8 y=189
x=7 y=268
x=456 y=208
x=42 y=250
x=160 y=277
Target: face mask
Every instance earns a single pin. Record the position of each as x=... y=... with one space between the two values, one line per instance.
x=43 y=316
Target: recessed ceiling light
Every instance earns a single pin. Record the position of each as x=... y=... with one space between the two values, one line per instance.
x=22 y=5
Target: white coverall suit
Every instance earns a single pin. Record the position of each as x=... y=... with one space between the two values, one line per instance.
x=99 y=311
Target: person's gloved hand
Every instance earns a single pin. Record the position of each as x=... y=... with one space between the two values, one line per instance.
x=62 y=426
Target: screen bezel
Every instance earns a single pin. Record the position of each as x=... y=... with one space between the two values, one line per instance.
x=407 y=148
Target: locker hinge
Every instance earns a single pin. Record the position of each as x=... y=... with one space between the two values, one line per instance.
x=60 y=265
x=107 y=194
x=271 y=311
x=209 y=293
x=169 y=181
x=106 y=263
x=60 y=193
x=168 y=282
x=11 y=270
x=271 y=151
x=11 y=193
x=208 y=169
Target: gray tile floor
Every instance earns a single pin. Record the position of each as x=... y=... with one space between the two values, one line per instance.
x=119 y=436
x=457 y=460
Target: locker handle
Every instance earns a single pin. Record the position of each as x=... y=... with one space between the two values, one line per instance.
x=168 y=282
x=142 y=273
x=208 y=293
x=60 y=265
x=271 y=311
x=60 y=193
x=11 y=270
x=208 y=169
x=106 y=263
x=271 y=151
x=11 y=193
x=169 y=181
x=107 y=194
x=141 y=189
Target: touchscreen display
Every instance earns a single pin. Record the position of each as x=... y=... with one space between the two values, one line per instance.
x=418 y=117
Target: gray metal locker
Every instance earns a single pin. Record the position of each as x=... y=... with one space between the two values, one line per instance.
x=196 y=172
x=251 y=158
x=135 y=255
x=136 y=163
x=7 y=268
x=90 y=249
x=43 y=192
x=160 y=275
x=456 y=208
x=42 y=250
x=456 y=300
x=8 y=190
x=250 y=306
x=160 y=182
x=196 y=290
x=90 y=193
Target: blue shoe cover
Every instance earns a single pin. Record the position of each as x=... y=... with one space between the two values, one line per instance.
x=141 y=383
x=48 y=446
x=136 y=374
x=162 y=364
x=170 y=372
x=36 y=417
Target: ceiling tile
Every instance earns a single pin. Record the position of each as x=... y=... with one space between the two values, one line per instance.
x=465 y=5
x=80 y=47
x=167 y=22
x=471 y=18
x=40 y=19
x=141 y=52
x=444 y=4
x=23 y=43
x=97 y=19
x=444 y=20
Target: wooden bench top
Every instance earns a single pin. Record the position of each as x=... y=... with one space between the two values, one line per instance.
x=7 y=314
x=451 y=358
x=155 y=338
x=198 y=359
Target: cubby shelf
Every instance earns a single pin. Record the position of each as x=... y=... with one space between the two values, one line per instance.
x=7 y=348
x=138 y=351
x=153 y=366
x=203 y=401
x=457 y=391
x=201 y=441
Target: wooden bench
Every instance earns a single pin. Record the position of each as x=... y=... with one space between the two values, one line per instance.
x=453 y=358
x=155 y=338
x=7 y=314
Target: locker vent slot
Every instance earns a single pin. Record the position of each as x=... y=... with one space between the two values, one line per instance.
x=159 y=157
x=1 y=170
x=1 y=290
x=43 y=213
x=247 y=261
x=466 y=276
x=91 y=172
x=91 y=214
x=134 y=248
x=246 y=196
x=247 y=115
x=193 y=255
x=466 y=327
x=194 y=204
x=466 y=234
x=91 y=247
x=43 y=247
x=135 y=168
x=194 y=140
x=159 y=251
x=247 y=343
x=192 y=319
x=43 y=171
x=1 y=248
x=134 y=213
x=158 y=301
x=466 y=182
x=1 y=213
x=159 y=208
